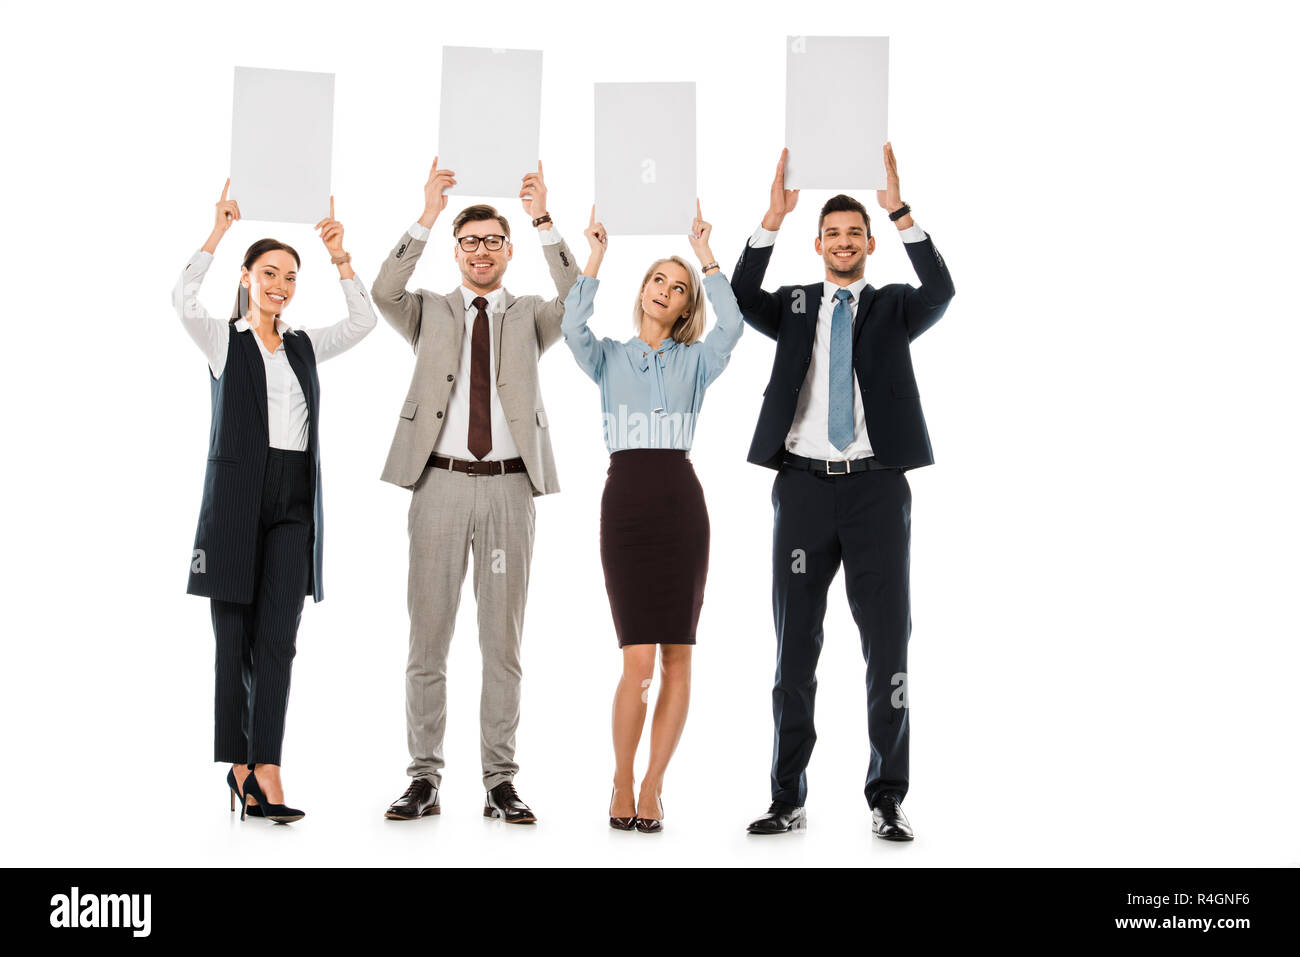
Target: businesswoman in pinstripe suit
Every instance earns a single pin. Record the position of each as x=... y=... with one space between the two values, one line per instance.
x=257 y=551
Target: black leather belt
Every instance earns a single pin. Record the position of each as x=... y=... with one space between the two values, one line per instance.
x=832 y=466
x=487 y=467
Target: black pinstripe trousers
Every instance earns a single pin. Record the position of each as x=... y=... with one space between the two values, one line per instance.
x=256 y=641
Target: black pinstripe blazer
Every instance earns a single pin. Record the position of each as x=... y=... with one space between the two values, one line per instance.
x=224 y=560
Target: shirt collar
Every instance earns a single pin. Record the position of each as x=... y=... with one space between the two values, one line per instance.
x=641 y=350
x=855 y=288
x=493 y=298
x=281 y=327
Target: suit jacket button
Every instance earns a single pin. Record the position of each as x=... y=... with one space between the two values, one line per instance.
x=440 y=415
x=450 y=377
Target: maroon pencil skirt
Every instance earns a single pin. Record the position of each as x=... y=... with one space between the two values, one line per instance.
x=654 y=546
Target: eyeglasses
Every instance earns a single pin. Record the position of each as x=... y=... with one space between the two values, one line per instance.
x=492 y=243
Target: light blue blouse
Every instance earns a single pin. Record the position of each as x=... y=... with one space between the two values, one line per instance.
x=651 y=397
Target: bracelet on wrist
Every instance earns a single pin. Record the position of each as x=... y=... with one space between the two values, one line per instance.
x=899 y=213
x=712 y=265
x=544 y=218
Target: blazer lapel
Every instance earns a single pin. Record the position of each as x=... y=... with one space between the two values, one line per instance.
x=498 y=319
x=257 y=371
x=813 y=306
x=455 y=317
x=860 y=317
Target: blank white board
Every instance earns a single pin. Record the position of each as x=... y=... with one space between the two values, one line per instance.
x=490 y=118
x=645 y=157
x=281 y=141
x=836 y=112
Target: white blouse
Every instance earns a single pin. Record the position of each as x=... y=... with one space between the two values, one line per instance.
x=286 y=406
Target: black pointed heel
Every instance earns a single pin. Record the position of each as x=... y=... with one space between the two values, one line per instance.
x=253 y=810
x=650 y=825
x=279 y=813
x=620 y=823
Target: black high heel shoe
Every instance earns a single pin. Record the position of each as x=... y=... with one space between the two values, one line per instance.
x=279 y=813
x=618 y=823
x=649 y=825
x=254 y=810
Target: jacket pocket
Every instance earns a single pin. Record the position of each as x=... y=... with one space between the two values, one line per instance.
x=222 y=460
x=408 y=408
x=541 y=419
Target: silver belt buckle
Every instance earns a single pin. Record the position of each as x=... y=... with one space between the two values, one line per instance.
x=831 y=471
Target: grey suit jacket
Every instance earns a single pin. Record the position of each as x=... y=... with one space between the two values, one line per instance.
x=434 y=325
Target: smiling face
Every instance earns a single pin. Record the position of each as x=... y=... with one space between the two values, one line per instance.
x=270 y=281
x=483 y=268
x=844 y=246
x=666 y=295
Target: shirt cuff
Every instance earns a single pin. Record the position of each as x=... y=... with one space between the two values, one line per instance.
x=416 y=231
x=762 y=237
x=913 y=233
x=550 y=237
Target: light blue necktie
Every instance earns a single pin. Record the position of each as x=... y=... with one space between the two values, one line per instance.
x=839 y=424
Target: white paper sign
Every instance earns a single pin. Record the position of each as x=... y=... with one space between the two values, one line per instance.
x=645 y=157
x=490 y=118
x=836 y=112
x=280 y=144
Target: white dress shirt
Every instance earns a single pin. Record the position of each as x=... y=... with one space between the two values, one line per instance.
x=453 y=437
x=809 y=434
x=286 y=405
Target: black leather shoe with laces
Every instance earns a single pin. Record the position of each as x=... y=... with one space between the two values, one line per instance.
x=888 y=822
x=503 y=802
x=780 y=817
x=420 y=798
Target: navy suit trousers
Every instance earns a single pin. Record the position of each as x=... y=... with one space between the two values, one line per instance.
x=863 y=521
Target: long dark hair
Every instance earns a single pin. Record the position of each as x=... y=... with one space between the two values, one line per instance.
x=255 y=251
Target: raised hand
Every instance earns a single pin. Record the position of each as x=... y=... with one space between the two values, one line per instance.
x=699 y=236
x=533 y=193
x=435 y=198
x=781 y=201
x=890 y=198
x=331 y=231
x=227 y=211
x=598 y=240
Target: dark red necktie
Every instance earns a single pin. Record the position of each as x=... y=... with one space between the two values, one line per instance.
x=480 y=398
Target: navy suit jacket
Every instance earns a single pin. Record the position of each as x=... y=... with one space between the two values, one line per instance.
x=885 y=323
x=232 y=483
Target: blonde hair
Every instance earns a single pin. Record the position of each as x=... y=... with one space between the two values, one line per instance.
x=689 y=327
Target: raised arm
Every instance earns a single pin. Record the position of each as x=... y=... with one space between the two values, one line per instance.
x=210 y=334
x=329 y=341
x=578 y=305
x=724 y=335
x=760 y=309
x=399 y=306
x=923 y=306
x=564 y=271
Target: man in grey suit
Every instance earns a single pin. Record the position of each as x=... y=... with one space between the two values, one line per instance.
x=473 y=446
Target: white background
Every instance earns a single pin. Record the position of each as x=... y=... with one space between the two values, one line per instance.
x=1103 y=658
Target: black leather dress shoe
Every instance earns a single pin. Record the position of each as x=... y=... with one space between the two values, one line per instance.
x=420 y=799
x=780 y=817
x=503 y=802
x=888 y=821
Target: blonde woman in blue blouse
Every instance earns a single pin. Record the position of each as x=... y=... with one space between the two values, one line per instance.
x=654 y=527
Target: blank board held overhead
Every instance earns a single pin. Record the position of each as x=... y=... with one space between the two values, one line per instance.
x=645 y=157
x=836 y=112
x=281 y=141
x=490 y=118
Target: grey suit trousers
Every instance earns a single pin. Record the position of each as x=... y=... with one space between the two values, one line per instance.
x=453 y=515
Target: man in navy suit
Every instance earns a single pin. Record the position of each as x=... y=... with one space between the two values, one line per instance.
x=841 y=423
